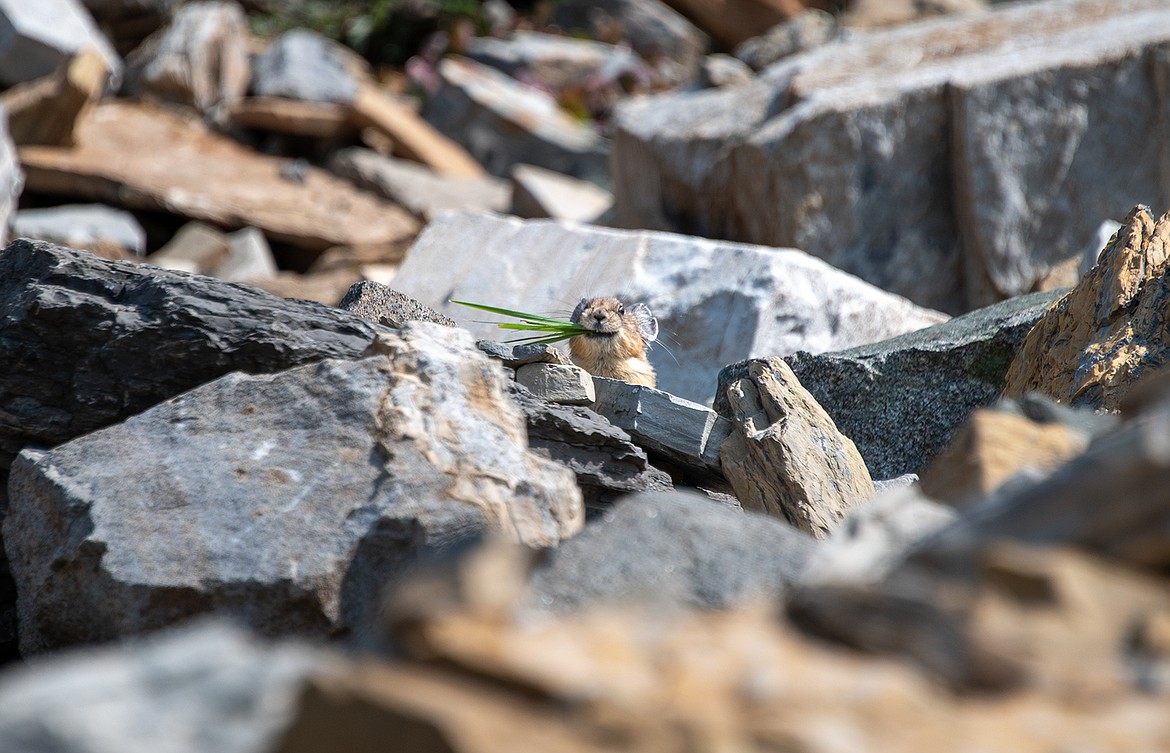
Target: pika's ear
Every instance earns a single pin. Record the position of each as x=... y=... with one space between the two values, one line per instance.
x=647 y=324
x=576 y=317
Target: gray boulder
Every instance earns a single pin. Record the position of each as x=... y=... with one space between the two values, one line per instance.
x=286 y=500
x=302 y=64
x=901 y=400
x=715 y=302
x=988 y=165
x=502 y=122
x=204 y=687
x=385 y=305
x=673 y=549
x=36 y=38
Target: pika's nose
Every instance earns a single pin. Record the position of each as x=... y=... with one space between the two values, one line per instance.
x=599 y=316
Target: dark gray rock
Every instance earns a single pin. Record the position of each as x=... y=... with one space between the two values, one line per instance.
x=302 y=64
x=205 y=687
x=385 y=305
x=671 y=549
x=900 y=400
x=606 y=462
x=286 y=500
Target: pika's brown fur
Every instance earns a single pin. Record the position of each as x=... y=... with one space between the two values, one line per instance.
x=617 y=349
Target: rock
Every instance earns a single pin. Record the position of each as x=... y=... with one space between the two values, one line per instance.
x=874 y=537
x=537 y=192
x=553 y=62
x=670 y=549
x=803 y=32
x=296 y=117
x=715 y=302
x=515 y=356
x=46 y=110
x=721 y=70
x=386 y=306
x=290 y=499
x=249 y=257
x=208 y=177
x=11 y=180
x=785 y=456
x=412 y=137
x=93 y=227
x=870 y=13
x=501 y=123
x=663 y=37
x=196 y=248
x=1096 y=342
x=992 y=446
x=199 y=59
x=1092 y=249
x=885 y=157
x=38 y=38
x=420 y=190
x=606 y=462
x=301 y=64
x=731 y=22
x=226 y=691
x=901 y=400
x=665 y=425
x=564 y=385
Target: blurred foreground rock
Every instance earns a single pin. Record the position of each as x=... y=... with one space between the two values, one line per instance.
x=951 y=146
x=286 y=500
x=145 y=157
x=715 y=302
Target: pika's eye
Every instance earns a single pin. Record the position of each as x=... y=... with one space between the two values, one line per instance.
x=621 y=309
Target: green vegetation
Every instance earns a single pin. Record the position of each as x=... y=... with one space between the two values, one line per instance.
x=554 y=330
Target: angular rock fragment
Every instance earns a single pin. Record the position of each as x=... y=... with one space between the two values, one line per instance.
x=285 y=500
x=537 y=192
x=384 y=305
x=46 y=110
x=716 y=303
x=901 y=400
x=226 y=690
x=785 y=456
x=93 y=227
x=249 y=257
x=199 y=59
x=1097 y=341
x=564 y=385
x=38 y=38
x=197 y=248
x=515 y=356
x=670 y=549
x=301 y=64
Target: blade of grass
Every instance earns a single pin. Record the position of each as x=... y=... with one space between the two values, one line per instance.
x=512 y=313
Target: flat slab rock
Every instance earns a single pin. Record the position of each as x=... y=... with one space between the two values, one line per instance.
x=146 y=157
x=285 y=500
x=716 y=302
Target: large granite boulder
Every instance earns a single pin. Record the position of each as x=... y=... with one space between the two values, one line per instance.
x=984 y=148
x=286 y=500
x=715 y=302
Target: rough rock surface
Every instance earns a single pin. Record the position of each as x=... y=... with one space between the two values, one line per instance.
x=421 y=190
x=715 y=302
x=204 y=687
x=785 y=456
x=502 y=123
x=606 y=462
x=1095 y=344
x=385 y=305
x=209 y=177
x=982 y=147
x=901 y=400
x=564 y=385
x=38 y=37
x=671 y=549
x=200 y=59
x=302 y=64
x=285 y=500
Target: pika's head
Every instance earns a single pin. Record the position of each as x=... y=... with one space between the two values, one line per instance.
x=609 y=317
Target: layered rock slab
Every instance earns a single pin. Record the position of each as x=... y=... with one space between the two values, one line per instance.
x=715 y=302
x=902 y=150
x=286 y=500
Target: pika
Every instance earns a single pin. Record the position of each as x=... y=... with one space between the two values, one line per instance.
x=617 y=346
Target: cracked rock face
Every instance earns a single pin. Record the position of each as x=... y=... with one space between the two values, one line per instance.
x=286 y=500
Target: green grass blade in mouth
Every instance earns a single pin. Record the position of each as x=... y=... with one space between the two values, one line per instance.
x=555 y=329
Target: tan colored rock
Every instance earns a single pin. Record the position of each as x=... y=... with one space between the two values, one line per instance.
x=46 y=111
x=786 y=457
x=990 y=447
x=413 y=137
x=1096 y=342
x=297 y=117
x=730 y=22
x=147 y=157
x=869 y=13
